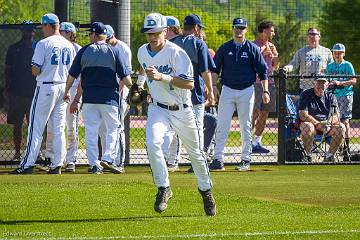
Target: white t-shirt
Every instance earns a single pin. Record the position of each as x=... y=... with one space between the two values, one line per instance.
x=171 y=60
x=53 y=56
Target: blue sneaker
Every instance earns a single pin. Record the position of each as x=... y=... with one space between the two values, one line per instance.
x=258 y=148
x=216 y=165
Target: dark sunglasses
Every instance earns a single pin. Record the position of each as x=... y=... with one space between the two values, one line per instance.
x=239 y=27
x=313 y=34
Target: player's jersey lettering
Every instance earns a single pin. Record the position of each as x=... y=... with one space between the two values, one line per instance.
x=57 y=55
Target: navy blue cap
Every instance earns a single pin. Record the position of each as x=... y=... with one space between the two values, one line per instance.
x=97 y=28
x=193 y=19
x=28 y=25
x=242 y=22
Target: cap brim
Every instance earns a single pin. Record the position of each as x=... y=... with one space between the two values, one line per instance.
x=152 y=30
x=337 y=50
x=240 y=25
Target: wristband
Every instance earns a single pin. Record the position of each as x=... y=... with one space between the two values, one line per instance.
x=166 y=78
x=266 y=92
x=141 y=80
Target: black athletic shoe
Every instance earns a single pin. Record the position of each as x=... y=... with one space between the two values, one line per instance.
x=29 y=170
x=190 y=170
x=216 y=165
x=56 y=170
x=209 y=202
x=162 y=197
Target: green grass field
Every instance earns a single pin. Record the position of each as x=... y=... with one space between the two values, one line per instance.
x=270 y=202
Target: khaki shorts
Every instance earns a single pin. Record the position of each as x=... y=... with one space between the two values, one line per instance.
x=345 y=106
x=271 y=106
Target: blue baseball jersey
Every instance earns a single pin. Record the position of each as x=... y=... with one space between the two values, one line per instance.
x=318 y=107
x=239 y=64
x=99 y=64
x=344 y=68
x=201 y=60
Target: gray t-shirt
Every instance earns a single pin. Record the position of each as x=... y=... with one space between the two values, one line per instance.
x=310 y=61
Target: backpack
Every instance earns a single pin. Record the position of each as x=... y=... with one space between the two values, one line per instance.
x=295 y=151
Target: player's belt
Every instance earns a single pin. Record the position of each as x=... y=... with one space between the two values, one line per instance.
x=171 y=108
x=48 y=83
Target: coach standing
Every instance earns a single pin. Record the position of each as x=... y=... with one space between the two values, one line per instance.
x=238 y=61
x=99 y=63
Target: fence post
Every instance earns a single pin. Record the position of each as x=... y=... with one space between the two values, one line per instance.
x=281 y=117
x=61 y=9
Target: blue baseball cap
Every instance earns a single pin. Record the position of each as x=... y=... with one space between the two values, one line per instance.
x=49 y=18
x=98 y=28
x=241 y=22
x=172 y=21
x=154 y=22
x=338 y=47
x=109 y=31
x=193 y=19
x=67 y=27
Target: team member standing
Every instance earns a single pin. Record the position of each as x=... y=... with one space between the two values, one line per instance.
x=19 y=82
x=50 y=64
x=202 y=62
x=99 y=64
x=261 y=110
x=238 y=60
x=125 y=54
x=311 y=59
x=344 y=96
x=68 y=31
x=169 y=76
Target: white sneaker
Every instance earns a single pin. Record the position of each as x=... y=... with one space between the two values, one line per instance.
x=244 y=166
x=173 y=167
x=70 y=167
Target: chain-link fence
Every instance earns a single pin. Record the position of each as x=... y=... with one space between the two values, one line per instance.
x=291 y=20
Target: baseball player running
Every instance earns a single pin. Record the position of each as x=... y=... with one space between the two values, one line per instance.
x=169 y=76
x=68 y=31
x=50 y=64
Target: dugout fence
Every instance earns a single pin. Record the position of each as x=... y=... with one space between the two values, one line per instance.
x=291 y=18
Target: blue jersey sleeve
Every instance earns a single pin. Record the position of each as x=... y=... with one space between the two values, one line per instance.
x=219 y=59
x=203 y=56
x=75 y=68
x=122 y=70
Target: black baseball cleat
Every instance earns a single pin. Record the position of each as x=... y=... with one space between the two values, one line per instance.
x=56 y=170
x=209 y=202
x=162 y=197
x=28 y=170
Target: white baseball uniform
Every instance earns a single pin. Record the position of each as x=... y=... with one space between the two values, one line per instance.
x=171 y=60
x=53 y=56
x=71 y=126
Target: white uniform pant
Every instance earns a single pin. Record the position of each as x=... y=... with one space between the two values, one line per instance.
x=159 y=122
x=243 y=102
x=173 y=155
x=121 y=144
x=47 y=106
x=71 y=130
x=94 y=115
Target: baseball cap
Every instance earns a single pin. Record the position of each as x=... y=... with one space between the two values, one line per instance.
x=154 y=22
x=67 y=27
x=172 y=21
x=338 y=47
x=28 y=25
x=242 y=22
x=109 y=31
x=321 y=79
x=97 y=28
x=49 y=18
x=193 y=19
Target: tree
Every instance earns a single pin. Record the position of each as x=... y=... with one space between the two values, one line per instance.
x=339 y=23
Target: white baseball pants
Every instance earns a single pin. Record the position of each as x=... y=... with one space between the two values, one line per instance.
x=160 y=121
x=47 y=106
x=243 y=102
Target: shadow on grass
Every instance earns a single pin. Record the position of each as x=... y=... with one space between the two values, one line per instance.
x=124 y=219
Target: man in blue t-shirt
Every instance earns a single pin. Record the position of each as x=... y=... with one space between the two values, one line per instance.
x=238 y=61
x=99 y=63
x=19 y=82
x=319 y=114
x=344 y=94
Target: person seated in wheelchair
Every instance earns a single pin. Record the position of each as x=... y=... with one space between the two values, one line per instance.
x=319 y=114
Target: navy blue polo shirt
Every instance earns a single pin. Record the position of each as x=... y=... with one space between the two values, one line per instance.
x=18 y=58
x=318 y=107
x=239 y=64
x=99 y=64
x=201 y=60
